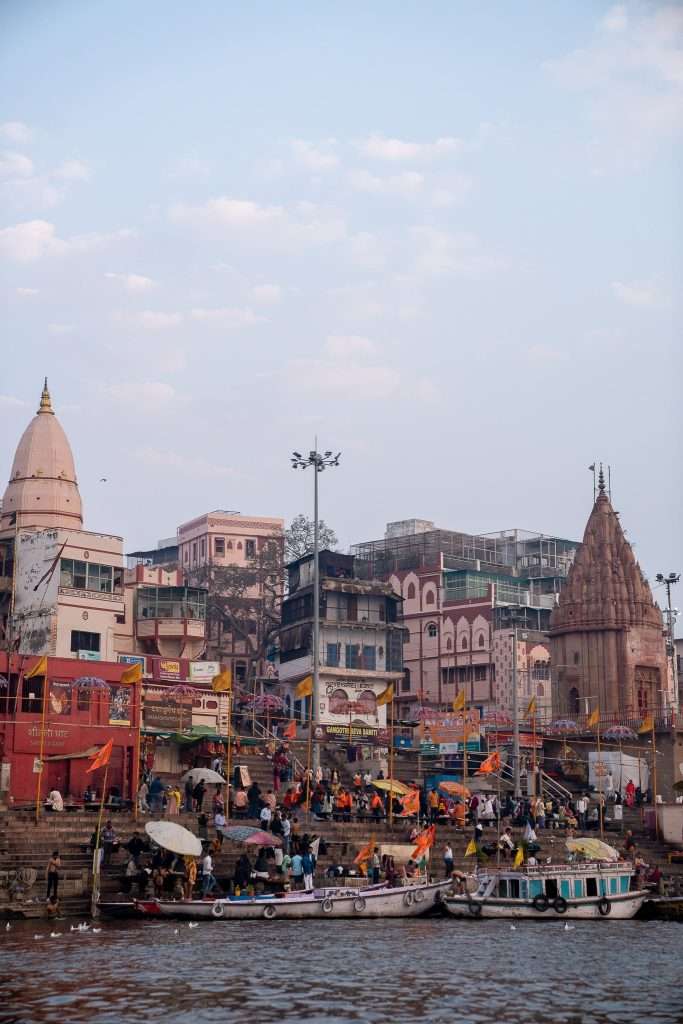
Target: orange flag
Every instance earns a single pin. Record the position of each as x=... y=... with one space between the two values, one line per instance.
x=411 y=802
x=289 y=732
x=366 y=853
x=491 y=764
x=101 y=757
x=423 y=842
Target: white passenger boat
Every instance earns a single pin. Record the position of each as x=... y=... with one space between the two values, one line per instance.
x=591 y=890
x=337 y=902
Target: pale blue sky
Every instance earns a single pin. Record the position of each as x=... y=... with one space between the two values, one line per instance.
x=445 y=236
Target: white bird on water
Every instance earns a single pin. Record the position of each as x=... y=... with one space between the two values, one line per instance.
x=176 y=932
x=37 y=936
x=568 y=927
x=96 y=931
x=8 y=926
x=55 y=935
x=193 y=924
x=513 y=928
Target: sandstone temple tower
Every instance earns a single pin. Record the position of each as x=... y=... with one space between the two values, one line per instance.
x=607 y=633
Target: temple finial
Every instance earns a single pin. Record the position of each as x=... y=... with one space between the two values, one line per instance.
x=45 y=400
x=601 y=481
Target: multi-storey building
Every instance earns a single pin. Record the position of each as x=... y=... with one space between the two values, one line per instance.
x=463 y=595
x=360 y=646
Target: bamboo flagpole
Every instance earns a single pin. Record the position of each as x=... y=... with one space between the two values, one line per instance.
x=654 y=777
x=309 y=755
x=391 y=762
x=39 y=781
x=228 y=758
x=137 y=755
x=96 y=855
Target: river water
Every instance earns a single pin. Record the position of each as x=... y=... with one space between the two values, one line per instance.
x=438 y=970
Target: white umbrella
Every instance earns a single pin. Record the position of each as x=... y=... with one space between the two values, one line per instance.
x=203 y=775
x=174 y=837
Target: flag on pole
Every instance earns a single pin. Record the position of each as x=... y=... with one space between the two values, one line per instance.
x=366 y=853
x=222 y=683
x=132 y=675
x=423 y=842
x=519 y=858
x=304 y=688
x=410 y=802
x=491 y=764
x=531 y=709
x=647 y=725
x=471 y=850
x=459 y=702
x=593 y=719
x=386 y=696
x=101 y=757
x=39 y=669
x=289 y=732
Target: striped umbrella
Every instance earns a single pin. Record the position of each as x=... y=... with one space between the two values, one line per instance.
x=619 y=734
x=90 y=683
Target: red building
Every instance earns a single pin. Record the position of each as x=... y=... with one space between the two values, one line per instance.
x=77 y=722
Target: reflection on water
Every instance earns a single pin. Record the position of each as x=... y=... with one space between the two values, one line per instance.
x=440 y=970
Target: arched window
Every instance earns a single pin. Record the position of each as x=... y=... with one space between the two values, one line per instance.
x=410 y=592
x=229 y=545
x=540 y=690
x=463 y=644
x=577 y=657
x=429 y=597
x=642 y=700
x=239 y=545
x=431 y=629
x=449 y=643
x=482 y=640
x=574 y=703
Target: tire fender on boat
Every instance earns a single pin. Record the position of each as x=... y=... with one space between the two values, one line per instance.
x=418 y=896
x=270 y=912
x=408 y=899
x=217 y=909
x=604 y=907
x=560 y=905
x=327 y=905
x=359 y=904
x=540 y=903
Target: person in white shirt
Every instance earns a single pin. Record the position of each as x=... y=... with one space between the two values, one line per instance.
x=208 y=881
x=54 y=801
x=286 y=833
x=219 y=824
x=265 y=817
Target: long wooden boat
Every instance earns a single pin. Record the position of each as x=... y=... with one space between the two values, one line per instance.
x=338 y=902
x=597 y=891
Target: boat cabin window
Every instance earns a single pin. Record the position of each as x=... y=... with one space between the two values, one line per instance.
x=523 y=888
x=535 y=887
x=613 y=886
x=603 y=886
x=502 y=887
x=514 y=888
x=578 y=888
x=565 y=889
x=551 y=888
x=591 y=887
x=624 y=883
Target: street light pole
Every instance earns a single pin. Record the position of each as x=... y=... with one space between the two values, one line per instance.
x=668 y=582
x=515 y=719
x=318 y=462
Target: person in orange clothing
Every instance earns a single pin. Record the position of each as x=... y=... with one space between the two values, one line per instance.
x=433 y=804
x=376 y=806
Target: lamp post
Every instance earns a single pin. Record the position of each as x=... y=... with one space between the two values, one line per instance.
x=318 y=461
x=668 y=582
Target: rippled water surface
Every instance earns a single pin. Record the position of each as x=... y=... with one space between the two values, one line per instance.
x=438 y=970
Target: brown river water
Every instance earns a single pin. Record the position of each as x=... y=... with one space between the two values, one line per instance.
x=437 y=970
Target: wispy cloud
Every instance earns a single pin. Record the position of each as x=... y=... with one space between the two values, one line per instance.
x=379 y=147
x=60 y=329
x=16 y=131
x=641 y=294
x=301 y=224
x=11 y=402
x=73 y=170
x=15 y=165
x=460 y=254
x=26 y=292
x=35 y=239
x=228 y=317
x=138 y=392
x=132 y=282
x=315 y=157
x=407 y=184
x=183 y=465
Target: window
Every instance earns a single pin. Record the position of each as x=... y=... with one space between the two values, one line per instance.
x=219 y=545
x=463 y=644
x=410 y=592
x=574 y=705
x=186 y=554
x=194 y=552
x=250 y=549
x=429 y=597
x=591 y=887
x=202 y=547
x=577 y=657
x=431 y=629
x=449 y=643
x=333 y=655
x=480 y=673
x=482 y=640
x=82 y=641
x=369 y=658
x=405 y=682
x=578 y=888
x=352 y=656
x=32 y=695
x=229 y=545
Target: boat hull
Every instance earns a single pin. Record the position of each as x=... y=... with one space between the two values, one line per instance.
x=407 y=901
x=619 y=908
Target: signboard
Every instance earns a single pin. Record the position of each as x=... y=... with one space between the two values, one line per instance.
x=131 y=659
x=119 y=705
x=37 y=766
x=359 y=734
x=89 y=656
x=36 y=588
x=169 y=669
x=449 y=727
x=169 y=712
x=526 y=739
x=204 y=671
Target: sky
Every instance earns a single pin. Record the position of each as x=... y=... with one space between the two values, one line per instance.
x=445 y=238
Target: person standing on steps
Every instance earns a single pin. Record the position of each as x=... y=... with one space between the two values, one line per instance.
x=52 y=874
x=448 y=860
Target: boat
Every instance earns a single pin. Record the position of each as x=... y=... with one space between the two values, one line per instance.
x=411 y=900
x=588 y=890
